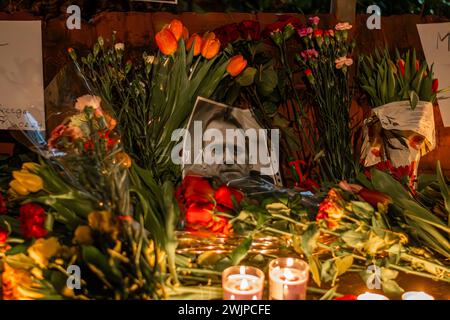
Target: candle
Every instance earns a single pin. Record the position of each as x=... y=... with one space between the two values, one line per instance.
x=416 y=295
x=242 y=283
x=371 y=296
x=288 y=279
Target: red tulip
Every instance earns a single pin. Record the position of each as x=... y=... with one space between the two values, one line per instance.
x=401 y=65
x=435 y=85
x=374 y=197
x=197 y=46
x=236 y=65
x=177 y=28
x=166 y=41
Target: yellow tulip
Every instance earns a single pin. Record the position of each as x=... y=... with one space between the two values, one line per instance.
x=43 y=250
x=30 y=166
x=18 y=188
x=31 y=181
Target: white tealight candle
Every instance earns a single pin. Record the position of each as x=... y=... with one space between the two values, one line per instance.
x=242 y=283
x=416 y=295
x=288 y=279
x=371 y=296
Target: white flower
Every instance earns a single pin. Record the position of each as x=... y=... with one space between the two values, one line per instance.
x=119 y=46
x=340 y=62
x=88 y=101
x=149 y=59
x=343 y=26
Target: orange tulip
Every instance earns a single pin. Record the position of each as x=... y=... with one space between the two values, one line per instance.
x=166 y=41
x=176 y=27
x=197 y=46
x=209 y=36
x=211 y=46
x=185 y=34
x=236 y=65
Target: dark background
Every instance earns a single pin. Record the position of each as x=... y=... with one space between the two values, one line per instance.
x=52 y=8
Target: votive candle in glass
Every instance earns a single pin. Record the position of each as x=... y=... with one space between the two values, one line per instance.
x=288 y=279
x=416 y=295
x=242 y=283
x=371 y=296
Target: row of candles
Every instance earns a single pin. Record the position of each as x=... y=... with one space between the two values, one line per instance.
x=288 y=280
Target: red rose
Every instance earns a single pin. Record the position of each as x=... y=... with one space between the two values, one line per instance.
x=224 y=196
x=346 y=297
x=318 y=33
x=250 y=29
x=194 y=189
x=3 y=208
x=32 y=218
x=282 y=22
x=227 y=34
x=3 y=235
x=199 y=215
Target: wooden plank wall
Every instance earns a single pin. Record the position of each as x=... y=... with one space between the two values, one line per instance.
x=137 y=29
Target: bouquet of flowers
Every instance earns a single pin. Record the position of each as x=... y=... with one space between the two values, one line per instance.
x=325 y=59
x=402 y=93
x=71 y=231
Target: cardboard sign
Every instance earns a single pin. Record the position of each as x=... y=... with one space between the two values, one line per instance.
x=21 y=76
x=435 y=38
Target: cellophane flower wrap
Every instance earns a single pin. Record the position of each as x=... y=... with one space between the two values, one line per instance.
x=72 y=232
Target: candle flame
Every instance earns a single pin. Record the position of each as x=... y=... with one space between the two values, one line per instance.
x=242 y=270
x=288 y=274
x=289 y=262
x=244 y=284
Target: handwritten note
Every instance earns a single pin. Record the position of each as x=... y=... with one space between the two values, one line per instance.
x=435 y=38
x=21 y=76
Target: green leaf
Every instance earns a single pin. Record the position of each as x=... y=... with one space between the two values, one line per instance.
x=444 y=189
x=343 y=263
x=309 y=239
x=241 y=251
x=391 y=287
x=384 y=182
x=413 y=99
x=20 y=248
x=315 y=268
x=247 y=77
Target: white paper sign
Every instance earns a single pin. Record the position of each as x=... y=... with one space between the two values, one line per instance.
x=435 y=38
x=21 y=76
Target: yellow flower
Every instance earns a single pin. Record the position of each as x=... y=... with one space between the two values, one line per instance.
x=25 y=182
x=82 y=235
x=44 y=249
x=102 y=221
x=30 y=166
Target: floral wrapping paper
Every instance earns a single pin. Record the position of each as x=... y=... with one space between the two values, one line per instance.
x=392 y=122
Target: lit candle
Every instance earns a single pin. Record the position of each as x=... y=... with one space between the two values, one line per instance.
x=288 y=279
x=416 y=295
x=242 y=283
x=371 y=296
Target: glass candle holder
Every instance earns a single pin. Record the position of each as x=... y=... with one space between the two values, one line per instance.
x=288 y=279
x=242 y=283
x=371 y=296
x=416 y=295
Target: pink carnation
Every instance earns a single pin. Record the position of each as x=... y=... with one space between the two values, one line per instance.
x=314 y=20
x=303 y=32
x=309 y=53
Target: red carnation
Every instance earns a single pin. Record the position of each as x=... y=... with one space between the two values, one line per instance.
x=32 y=218
x=282 y=22
x=224 y=196
x=3 y=235
x=3 y=208
x=250 y=29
